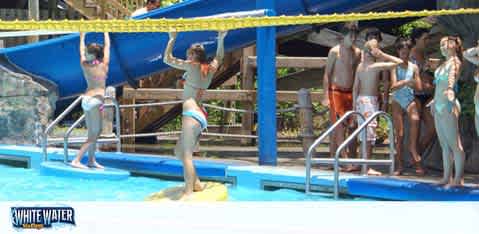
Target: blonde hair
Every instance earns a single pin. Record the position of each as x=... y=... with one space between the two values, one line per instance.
x=370 y=45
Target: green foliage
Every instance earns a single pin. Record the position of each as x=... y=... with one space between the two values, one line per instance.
x=165 y=3
x=466 y=98
x=406 y=29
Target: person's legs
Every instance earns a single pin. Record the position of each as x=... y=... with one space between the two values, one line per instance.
x=397 y=112
x=429 y=125
x=94 y=131
x=333 y=141
x=367 y=106
x=190 y=133
x=371 y=171
x=446 y=152
x=413 y=114
x=453 y=137
x=77 y=161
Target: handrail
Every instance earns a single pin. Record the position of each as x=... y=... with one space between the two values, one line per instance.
x=117 y=126
x=67 y=134
x=54 y=123
x=321 y=138
x=353 y=135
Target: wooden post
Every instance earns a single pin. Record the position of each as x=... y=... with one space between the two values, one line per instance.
x=52 y=9
x=108 y=113
x=128 y=124
x=33 y=13
x=247 y=83
x=305 y=113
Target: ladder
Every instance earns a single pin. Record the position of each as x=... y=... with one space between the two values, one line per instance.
x=66 y=138
x=336 y=161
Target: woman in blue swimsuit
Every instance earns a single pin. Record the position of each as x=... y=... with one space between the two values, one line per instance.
x=405 y=80
x=446 y=109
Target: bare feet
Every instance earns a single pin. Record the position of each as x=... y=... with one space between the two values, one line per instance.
x=373 y=172
x=420 y=171
x=352 y=168
x=96 y=165
x=77 y=164
x=184 y=196
x=458 y=183
x=198 y=187
x=398 y=172
x=444 y=181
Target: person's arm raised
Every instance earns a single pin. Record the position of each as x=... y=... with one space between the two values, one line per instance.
x=106 y=49
x=390 y=61
x=220 y=50
x=82 y=48
x=168 y=57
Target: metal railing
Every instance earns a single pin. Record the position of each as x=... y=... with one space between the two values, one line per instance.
x=67 y=111
x=365 y=161
x=117 y=122
x=54 y=123
x=318 y=141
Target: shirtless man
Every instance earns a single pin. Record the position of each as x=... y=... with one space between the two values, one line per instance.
x=338 y=82
x=366 y=88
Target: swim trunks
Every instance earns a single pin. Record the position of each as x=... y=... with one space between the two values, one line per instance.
x=367 y=106
x=340 y=101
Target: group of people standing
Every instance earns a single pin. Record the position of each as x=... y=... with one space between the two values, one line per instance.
x=426 y=97
x=352 y=82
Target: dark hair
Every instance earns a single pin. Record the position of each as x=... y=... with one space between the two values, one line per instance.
x=374 y=32
x=417 y=33
x=458 y=42
x=153 y=1
x=402 y=42
x=198 y=53
x=95 y=49
x=349 y=27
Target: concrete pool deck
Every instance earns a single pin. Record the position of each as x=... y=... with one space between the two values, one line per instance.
x=244 y=173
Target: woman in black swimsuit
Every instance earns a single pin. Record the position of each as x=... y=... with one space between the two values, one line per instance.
x=420 y=40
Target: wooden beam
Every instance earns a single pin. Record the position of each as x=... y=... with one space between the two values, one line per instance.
x=247 y=82
x=33 y=14
x=212 y=94
x=295 y=62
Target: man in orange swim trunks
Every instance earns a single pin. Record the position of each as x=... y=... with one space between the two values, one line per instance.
x=338 y=83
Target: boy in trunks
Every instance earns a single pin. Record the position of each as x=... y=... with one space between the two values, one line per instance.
x=366 y=88
x=338 y=82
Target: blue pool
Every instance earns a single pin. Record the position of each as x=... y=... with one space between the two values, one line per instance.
x=20 y=184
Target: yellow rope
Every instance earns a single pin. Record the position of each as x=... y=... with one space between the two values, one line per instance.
x=211 y=24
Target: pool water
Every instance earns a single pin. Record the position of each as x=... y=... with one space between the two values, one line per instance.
x=20 y=184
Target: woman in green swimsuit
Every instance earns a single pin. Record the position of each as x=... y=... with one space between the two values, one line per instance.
x=446 y=109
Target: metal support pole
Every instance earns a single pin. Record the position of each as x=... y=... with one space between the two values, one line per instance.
x=33 y=14
x=266 y=99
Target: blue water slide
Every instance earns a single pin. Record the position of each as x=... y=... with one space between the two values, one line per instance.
x=137 y=55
